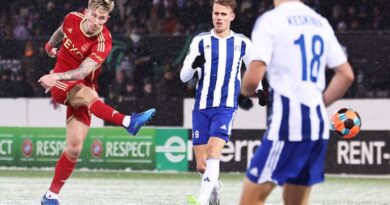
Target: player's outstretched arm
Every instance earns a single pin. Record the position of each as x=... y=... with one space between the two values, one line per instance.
x=339 y=84
x=86 y=67
x=252 y=77
x=55 y=39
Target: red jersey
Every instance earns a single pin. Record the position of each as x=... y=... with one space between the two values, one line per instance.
x=77 y=46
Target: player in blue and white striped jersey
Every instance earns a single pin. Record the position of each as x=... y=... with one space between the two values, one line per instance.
x=219 y=81
x=294 y=44
x=216 y=56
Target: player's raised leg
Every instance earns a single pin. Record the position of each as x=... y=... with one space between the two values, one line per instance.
x=81 y=95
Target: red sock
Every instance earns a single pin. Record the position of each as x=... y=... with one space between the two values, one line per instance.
x=105 y=112
x=64 y=169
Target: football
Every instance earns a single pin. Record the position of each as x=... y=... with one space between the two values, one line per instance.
x=346 y=122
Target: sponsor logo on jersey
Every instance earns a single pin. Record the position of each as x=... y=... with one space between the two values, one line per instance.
x=69 y=30
x=68 y=44
x=85 y=47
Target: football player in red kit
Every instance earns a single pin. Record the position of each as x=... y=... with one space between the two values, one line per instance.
x=86 y=42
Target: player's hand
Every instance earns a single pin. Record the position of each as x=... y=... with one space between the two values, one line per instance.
x=51 y=51
x=199 y=61
x=244 y=102
x=48 y=81
x=263 y=97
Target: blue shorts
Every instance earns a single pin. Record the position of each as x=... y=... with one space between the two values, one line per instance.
x=298 y=163
x=216 y=122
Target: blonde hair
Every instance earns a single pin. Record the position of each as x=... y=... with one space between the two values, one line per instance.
x=231 y=3
x=107 y=5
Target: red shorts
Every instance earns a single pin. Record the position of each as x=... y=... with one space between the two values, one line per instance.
x=60 y=94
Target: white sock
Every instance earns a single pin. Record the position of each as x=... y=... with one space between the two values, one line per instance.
x=126 y=121
x=217 y=185
x=51 y=195
x=210 y=178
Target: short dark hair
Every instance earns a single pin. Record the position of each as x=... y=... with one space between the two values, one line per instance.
x=231 y=3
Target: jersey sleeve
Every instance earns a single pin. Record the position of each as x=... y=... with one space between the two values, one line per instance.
x=336 y=55
x=102 y=48
x=71 y=20
x=247 y=58
x=187 y=72
x=262 y=39
x=67 y=22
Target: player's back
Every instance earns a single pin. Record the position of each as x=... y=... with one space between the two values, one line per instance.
x=296 y=44
x=303 y=40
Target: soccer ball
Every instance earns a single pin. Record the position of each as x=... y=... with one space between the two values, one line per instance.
x=346 y=122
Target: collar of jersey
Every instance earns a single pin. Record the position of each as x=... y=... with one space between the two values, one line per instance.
x=290 y=3
x=215 y=35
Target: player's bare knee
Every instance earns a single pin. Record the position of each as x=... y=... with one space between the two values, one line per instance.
x=74 y=149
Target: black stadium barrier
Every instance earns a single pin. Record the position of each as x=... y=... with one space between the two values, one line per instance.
x=367 y=154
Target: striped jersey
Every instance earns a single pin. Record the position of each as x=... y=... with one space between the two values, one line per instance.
x=78 y=45
x=296 y=44
x=219 y=79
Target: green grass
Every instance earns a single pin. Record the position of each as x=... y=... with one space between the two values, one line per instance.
x=367 y=180
x=22 y=186
x=133 y=175
x=154 y=175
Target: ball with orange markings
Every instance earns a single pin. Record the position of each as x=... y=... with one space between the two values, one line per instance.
x=346 y=122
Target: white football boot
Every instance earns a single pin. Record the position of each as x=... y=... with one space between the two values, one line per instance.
x=216 y=195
